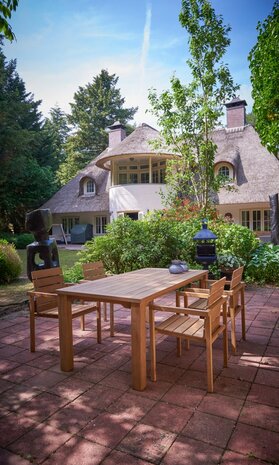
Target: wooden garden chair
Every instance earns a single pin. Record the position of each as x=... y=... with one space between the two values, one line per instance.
x=91 y=272
x=194 y=325
x=234 y=290
x=43 y=301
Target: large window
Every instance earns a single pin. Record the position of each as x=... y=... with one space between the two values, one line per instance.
x=68 y=223
x=139 y=172
x=101 y=223
x=224 y=171
x=257 y=220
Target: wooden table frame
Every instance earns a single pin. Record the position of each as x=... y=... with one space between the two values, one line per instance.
x=136 y=288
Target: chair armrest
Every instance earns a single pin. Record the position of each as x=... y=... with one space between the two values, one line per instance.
x=182 y=310
x=41 y=294
x=195 y=292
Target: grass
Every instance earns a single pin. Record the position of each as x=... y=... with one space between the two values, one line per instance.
x=15 y=292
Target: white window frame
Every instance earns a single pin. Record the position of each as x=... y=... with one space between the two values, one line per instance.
x=256 y=218
x=89 y=187
x=101 y=223
x=224 y=164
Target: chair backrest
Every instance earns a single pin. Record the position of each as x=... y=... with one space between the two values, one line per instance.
x=93 y=270
x=215 y=302
x=47 y=280
x=236 y=277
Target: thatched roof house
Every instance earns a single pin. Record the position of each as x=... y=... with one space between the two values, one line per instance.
x=112 y=184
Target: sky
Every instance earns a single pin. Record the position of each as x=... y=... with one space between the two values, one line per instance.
x=62 y=44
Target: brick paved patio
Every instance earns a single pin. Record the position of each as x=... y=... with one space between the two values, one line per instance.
x=91 y=416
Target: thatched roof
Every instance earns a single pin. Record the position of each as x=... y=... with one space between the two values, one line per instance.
x=69 y=198
x=139 y=142
x=256 y=170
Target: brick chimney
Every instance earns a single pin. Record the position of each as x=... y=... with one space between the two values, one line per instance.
x=236 y=113
x=116 y=134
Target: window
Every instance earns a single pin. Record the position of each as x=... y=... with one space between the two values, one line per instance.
x=101 y=223
x=123 y=178
x=133 y=178
x=256 y=220
x=144 y=178
x=139 y=172
x=68 y=224
x=267 y=224
x=245 y=219
x=224 y=171
x=89 y=187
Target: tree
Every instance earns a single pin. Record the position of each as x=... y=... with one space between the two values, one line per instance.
x=25 y=181
x=264 y=59
x=187 y=114
x=251 y=119
x=96 y=106
x=56 y=132
x=6 y=8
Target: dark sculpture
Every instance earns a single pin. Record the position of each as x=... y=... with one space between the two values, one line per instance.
x=39 y=223
x=274 y=205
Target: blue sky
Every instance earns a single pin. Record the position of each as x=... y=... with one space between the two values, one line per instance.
x=63 y=44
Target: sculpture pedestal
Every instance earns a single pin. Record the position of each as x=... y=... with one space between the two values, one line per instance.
x=46 y=251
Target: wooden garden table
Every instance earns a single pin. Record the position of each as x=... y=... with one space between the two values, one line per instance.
x=135 y=289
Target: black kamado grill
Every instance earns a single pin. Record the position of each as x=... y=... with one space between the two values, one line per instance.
x=206 y=248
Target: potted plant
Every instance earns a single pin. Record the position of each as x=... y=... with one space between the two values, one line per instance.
x=228 y=263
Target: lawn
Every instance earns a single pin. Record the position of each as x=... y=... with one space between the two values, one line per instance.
x=15 y=292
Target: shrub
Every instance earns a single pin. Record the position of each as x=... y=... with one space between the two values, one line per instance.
x=10 y=263
x=20 y=241
x=264 y=265
x=73 y=274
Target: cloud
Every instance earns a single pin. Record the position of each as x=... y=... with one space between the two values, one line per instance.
x=145 y=45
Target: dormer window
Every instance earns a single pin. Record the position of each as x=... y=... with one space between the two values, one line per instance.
x=89 y=187
x=224 y=169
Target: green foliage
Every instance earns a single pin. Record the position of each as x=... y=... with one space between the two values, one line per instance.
x=187 y=114
x=229 y=261
x=73 y=274
x=10 y=263
x=6 y=8
x=96 y=106
x=25 y=180
x=20 y=241
x=264 y=59
x=264 y=265
x=155 y=241
x=234 y=239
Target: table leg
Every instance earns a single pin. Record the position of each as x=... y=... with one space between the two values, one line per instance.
x=65 y=333
x=138 y=347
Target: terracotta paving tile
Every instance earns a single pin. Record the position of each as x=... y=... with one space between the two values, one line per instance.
x=147 y=443
x=44 y=379
x=17 y=396
x=72 y=418
x=267 y=377
x=21 y=373
x=39 y=443
x=232 y=387
x=107 y=429
x=154 y=390
x=167 y=373
x=168 y=417
x=209 y=428
x=9 y=351
x=119 y=458
x=44 y=361
x=254 y=441
x=242 y=373
x=9 y=458
x=99 y=397
x=232 y=458
x=264 y=395
x=8 y=365
x=12 y=426
x=41 y=406
x=92 y=373
x=222 y=406
x=118 y=379
x=25 y=356
x=70 y=388
x=131 y=406
x=193 y=378
x=186 y=451
x=4 y=386
x=184 y=396
x=264 y=416
x=78 y=451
